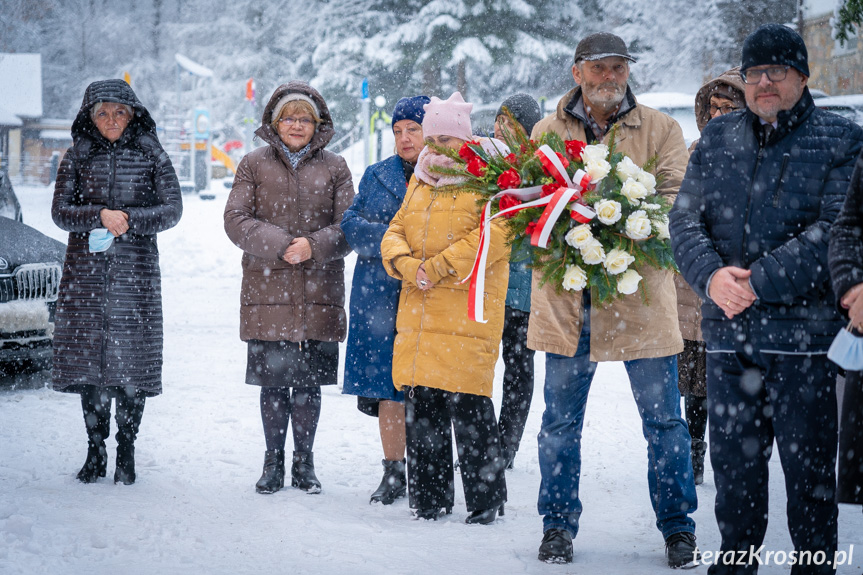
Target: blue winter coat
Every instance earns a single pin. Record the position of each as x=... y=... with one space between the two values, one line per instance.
x=374 y=294
x=768 y=210
x=520 y=275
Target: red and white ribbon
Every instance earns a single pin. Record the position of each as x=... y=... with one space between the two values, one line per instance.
x=532 y=197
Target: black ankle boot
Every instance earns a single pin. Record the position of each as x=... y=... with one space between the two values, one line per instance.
x=393 y=485
x=699 y=448
x=130 y=410
x=484 y=516
x=303 y=472
x=273 y=477
x=125 y=472
x=432 y=513
x=96 y=464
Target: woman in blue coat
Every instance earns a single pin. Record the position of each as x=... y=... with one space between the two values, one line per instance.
x=375 y=295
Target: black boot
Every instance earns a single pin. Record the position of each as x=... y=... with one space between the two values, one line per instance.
x=273 y=477
x=98 y=423
x=130 y=409
x=484 y=516
x=393 y=485
x=699 y=448
x=432 y=513
x=303 y=472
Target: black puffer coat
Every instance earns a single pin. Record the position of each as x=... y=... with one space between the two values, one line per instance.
x=108 y=329
x=768 y=210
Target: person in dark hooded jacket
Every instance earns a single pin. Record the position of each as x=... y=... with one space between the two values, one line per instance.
x=115 y=190
x=720 y=96
x=284 y=212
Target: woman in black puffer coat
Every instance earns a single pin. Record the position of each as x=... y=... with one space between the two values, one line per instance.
x=846 y=271
x=108 y=328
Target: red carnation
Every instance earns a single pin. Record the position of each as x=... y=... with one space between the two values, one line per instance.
x=528 y=230
x=574 y=148
x=477 y=167
x=466 y=153
x=563 y=160
x=508 y=180
x=511 y=158
x=549 y=189
x=507 y=202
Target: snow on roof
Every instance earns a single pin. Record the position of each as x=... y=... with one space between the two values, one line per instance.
x=21 y=78
x=55 y=135
x=192 y=67
x=7 y=118
x=813 y=8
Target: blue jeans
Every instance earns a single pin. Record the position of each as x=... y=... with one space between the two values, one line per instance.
x=654 y=386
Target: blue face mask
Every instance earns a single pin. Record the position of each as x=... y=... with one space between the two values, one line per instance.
x=846 y=351
x=100 y=240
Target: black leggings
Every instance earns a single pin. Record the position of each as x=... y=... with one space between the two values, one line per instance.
x=96 y=406
x=517 y=379
x=300 y=405
x=696 y=415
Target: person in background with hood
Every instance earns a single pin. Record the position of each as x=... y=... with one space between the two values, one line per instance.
x=517 y=357
x=717 y=97
x=116 y=189
x=443 y=359
x=284 y=211
x=375 y=295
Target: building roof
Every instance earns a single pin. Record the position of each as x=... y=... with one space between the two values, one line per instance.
x=815 y=8
x=21 y=78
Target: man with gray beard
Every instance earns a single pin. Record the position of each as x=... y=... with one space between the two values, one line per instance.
x=645 y=337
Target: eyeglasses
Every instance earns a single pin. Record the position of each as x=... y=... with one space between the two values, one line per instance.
x=723 y=109
x=304 y=122
x=775 y=74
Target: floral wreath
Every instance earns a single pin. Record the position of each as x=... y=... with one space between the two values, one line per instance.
x=590 y=214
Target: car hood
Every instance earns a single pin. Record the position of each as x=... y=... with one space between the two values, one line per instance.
x=21 y=244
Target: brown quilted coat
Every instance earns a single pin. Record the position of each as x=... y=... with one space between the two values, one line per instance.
x=272 y=203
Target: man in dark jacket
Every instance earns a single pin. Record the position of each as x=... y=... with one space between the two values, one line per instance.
x=750 y=229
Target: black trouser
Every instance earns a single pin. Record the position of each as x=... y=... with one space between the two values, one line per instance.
x=696 y=415
x=431 y=415
x=300 y=405
x=752 y=400
x=517 y=379
x=96 y=406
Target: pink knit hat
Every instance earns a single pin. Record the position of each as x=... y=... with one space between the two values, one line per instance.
x=448 y=117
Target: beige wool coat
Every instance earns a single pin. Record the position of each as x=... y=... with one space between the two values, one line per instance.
x=625 y=329
x=436 y=344
x=270 y=204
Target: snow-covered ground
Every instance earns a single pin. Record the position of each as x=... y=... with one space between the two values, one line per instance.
x=194 y=509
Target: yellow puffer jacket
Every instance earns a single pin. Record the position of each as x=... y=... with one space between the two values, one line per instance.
x=436 y=344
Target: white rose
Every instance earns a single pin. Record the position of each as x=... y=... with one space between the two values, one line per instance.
x=647 y=206
x=578 y=236
x=608 y=211
x=574 y=279
x=633 y=191
x=594 y=153
x=661 y=227
x=617 y=261
x=627 y=283
x=593 y=253
x=647 y=180
x=638 y=225
x=626 y=169
x=597 y=169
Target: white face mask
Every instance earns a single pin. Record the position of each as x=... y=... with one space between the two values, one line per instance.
x=100 y=240
x=846 y=351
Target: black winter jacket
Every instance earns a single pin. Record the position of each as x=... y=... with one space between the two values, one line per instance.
x=767 y=209
x=846 y=241
x=108 y=329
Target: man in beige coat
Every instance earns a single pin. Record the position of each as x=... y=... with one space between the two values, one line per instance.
x=575 y=335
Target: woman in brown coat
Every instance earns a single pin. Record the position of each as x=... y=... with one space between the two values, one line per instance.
x=719 y=96
x=441 y=359
x=284 y=212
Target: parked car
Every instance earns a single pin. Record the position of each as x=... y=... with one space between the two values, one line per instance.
x=31 y=264
x=850 y=106
x=678 y=105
